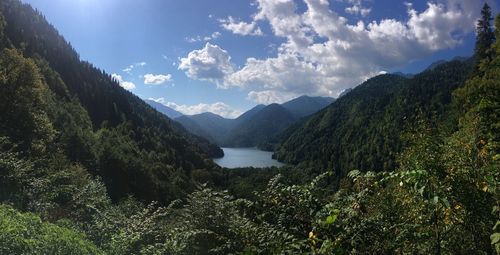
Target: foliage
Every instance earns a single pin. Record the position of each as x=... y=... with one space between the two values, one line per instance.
x=50 y=97
x=22 y=104
x=25 y=233
x=362 y=130
x=86 y=158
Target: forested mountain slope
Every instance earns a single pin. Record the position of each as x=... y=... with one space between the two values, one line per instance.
x=263 y=125
x=95 y=122
x=363 y=129
x=305 y=105
x=209 y=125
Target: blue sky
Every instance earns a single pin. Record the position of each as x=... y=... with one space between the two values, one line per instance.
x=226 y=56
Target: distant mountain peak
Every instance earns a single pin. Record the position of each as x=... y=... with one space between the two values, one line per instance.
x=306 y=105
x=442 y=61
x=405 y=75
x=171 y=113
x=435 y=64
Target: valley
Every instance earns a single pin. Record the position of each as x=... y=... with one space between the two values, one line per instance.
x=317 y=137
x=254 y=128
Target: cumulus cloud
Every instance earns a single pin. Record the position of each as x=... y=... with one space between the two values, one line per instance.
x=218 y=108
x=240 y=27
x=124 y=84
x=324 y=53
x=152 y=79
x=211 y=63
x=131 y=67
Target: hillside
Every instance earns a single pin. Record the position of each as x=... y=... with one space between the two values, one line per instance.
x=248 y=114
x=208 y=125
x=305 y=105
x=263 y=125
x=96 y=123
x=169 y=112
x=363 y=129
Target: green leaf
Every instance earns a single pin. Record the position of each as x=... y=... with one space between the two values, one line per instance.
x=421 y=190
x=445 y=202
x=333 y=217
x=495 y=238
x=435 y=200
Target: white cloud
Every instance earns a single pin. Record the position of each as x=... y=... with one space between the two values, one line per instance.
x=324 y=53
x=124 y=84
x=207 y=38
x=357 y=8
x=193 y=39
x=131 y=67
x=214 y=35
x=211 y=63
x=240 y=27
x=160 y=100
x=218 y=108
x=152 y=79
x=270 y=96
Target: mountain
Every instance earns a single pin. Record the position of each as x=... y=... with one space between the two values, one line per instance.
x=442 y=61
x=75 y=120
x=208 y=125
x=363 y=129
x=212 y=126
x=171 y=113
x=248 y=114
x=305 y=105
x=405 y=75
x=193 y=127
x=81 y=159
x=263 y=125
x=225 y=132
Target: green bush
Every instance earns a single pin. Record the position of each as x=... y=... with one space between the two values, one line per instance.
x=26 y=233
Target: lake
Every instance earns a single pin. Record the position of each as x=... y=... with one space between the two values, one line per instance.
x=246 y=157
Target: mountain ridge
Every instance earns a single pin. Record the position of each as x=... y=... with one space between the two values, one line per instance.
x=373 y=113
x=169 y=112
x=224 y=132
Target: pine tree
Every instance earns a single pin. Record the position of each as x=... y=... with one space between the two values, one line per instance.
x=485 y=35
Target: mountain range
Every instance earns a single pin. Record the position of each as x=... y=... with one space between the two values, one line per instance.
x=399 y=164
x=254 y=127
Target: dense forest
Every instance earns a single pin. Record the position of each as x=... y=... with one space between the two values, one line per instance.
x=363 y=129
x=396 y=166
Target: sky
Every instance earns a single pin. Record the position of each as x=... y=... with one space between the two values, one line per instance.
x=226 y=56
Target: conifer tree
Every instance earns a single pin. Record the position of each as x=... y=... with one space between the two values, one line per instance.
x=485 y=35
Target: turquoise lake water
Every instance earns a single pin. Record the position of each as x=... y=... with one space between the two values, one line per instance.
x=246 y=157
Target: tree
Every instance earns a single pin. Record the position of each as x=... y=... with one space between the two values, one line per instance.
x=485 y=35
x=22 y=102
